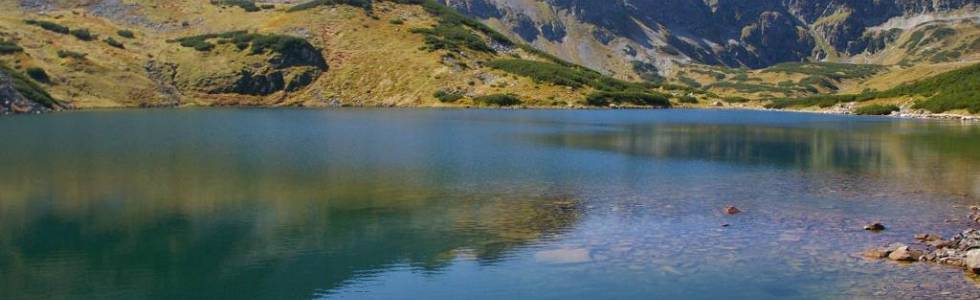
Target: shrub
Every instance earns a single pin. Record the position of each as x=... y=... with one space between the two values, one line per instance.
x=498 y=100
x=835 y=71
x=49 y=26
x=448 y=96
x=365 y=4
x=734 y=99
x=38 y=75
x=126 y=34
x=876 y=109
x=635 y=98
x=32 y=91
x=83 y=34
x=259 y=43
x=247 y=5
x=448 y=37
x=9 y=47
x=689 y=81
x=397 y=21
x=267 y=6
x=572 y=76
x=687 y=99
x=113 y=42
x=71 y=54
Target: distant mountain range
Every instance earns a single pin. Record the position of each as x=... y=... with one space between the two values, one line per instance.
x=610 y=34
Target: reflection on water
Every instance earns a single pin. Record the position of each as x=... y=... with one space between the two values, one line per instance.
x=469 y=204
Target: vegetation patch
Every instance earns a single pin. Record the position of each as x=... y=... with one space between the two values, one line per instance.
x=687 y=99
x=448 y=96
x=247 y=5
x=38 y=75
x=750 y=87
x=571 y=76
x=689 y=81
x=876 y=109
x=49 y=26
x=71 y=54
x=635 y=98
x=498 y=100
x=835 y=71
x=31 y=90
x=126 y=34
x=257 y=43
x=113 y=42
x=957 y=89
x=9 y=47
x=735 y=99
x=83 y=34
x=365 y=4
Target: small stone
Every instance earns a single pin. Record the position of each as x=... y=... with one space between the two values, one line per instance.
x=731 y=210
x=939 y=243
x=726 y=225
x=882 y=252
x=876 y=226
x=876 y=253
x=926 y=237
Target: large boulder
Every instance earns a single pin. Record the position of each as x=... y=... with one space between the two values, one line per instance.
x=973 y=261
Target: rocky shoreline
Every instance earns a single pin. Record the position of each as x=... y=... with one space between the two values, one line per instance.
x=961 y=250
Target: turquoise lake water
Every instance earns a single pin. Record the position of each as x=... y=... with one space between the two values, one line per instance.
x=476 y=204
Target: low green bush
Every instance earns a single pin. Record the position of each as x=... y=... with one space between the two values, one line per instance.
x=687 y=99
x=365 y=4
x=83 y=34
x=571 y=76
x=448 y=96
x=247 y=5
x=126 y=34
x=38 y=75
x=876 y=109
x=71 y=54
x=9 y=47
x=635 y=98
x=49 y=26
x=734 y=99
x=113 y=42
x=498 y=100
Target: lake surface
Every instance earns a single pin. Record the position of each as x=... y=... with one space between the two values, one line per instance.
x=476 y=204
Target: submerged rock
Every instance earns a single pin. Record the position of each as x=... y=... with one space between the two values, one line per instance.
x=876 y=226
x=731 y=210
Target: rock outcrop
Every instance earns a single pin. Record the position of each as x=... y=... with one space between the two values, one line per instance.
x=12 y=101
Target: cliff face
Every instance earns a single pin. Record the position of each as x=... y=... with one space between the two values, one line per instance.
x=735 y=33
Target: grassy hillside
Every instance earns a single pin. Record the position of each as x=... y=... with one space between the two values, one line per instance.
x=316 y=53
x=955 y=90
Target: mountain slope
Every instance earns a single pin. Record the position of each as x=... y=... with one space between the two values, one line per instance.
x=617 y=36
x=111 y=53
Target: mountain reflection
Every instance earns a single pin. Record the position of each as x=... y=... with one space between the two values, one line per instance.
x=285 y=248
x=124 y=212
x=931 y=154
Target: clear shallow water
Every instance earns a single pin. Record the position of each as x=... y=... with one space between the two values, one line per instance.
x=353 y=204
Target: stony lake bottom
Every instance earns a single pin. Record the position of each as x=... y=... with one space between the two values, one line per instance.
x=477 y=204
